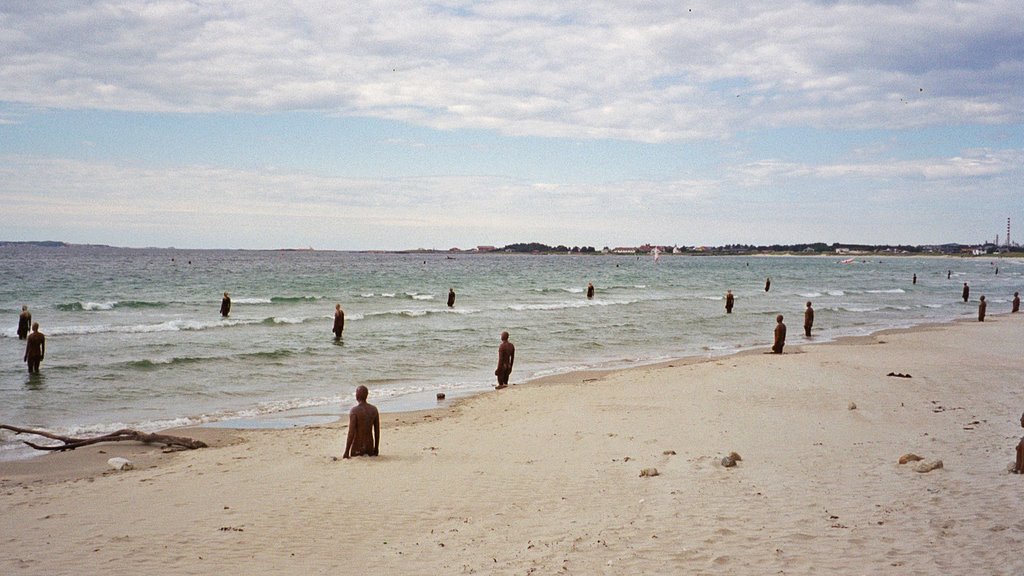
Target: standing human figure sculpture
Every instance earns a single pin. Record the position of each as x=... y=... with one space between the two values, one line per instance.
x=808 y=319
x=506 y=358
x=1016 y=302
x=24 y=323
x=728 y=301
x=225 y=305
x=35 y=349
x=1018 y=465
x=982 y=305
x=451 y=297
x=966 y=292
x=339 y=321
x=767 y=284
x=590 y=290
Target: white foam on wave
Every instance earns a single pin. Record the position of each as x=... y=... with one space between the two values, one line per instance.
x=251 y=301
x=890 y=291
x=403 y=312
x=93 y=306
x=567 y=305
x=168 y=326
x=857 y=309
x=552 y=306
x=284 y=320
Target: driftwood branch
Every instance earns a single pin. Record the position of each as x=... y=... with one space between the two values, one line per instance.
x=68 y=443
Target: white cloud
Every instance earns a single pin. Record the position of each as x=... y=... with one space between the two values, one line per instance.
x=974 y=164
x=652 y=72
x=770 y=201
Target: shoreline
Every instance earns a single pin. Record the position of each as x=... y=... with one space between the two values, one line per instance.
x=90 y=461
x=651 y=303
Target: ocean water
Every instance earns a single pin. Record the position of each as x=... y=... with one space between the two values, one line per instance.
x=135 y=339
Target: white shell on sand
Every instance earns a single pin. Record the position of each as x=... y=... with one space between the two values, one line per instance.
x=119 y=463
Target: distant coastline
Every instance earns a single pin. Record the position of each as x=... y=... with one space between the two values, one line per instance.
x=808 y=249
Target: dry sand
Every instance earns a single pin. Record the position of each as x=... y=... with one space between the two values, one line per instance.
x=546 y=478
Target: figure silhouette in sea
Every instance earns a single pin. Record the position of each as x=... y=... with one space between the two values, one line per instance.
x=24 y=323
x=808 y=319
x=966 y=292
x=767 y=284
x=35 y=349
x=728 y=301
x=225 y=305
x=451 y=297
x=339 y=321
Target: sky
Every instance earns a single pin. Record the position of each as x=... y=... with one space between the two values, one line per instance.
x=403 y=124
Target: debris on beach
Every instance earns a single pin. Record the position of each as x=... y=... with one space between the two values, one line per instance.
x=171 y=443
x=440 y=395
x=928 y=466
x=648 y=472
x=899 y=375
x=731 y=460
x=910 y=458
x=669 y=453
x=121 y=464
x=851 y=406
x=923 y=465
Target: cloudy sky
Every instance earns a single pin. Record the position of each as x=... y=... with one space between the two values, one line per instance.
x=409 y=123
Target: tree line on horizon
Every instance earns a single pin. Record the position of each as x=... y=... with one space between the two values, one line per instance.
x=813 y=247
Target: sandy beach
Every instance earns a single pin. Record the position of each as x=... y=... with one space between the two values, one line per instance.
x=545 y=478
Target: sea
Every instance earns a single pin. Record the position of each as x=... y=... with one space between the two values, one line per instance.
x=134 y=337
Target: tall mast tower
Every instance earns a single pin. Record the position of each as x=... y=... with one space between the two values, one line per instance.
x=1007 y=232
